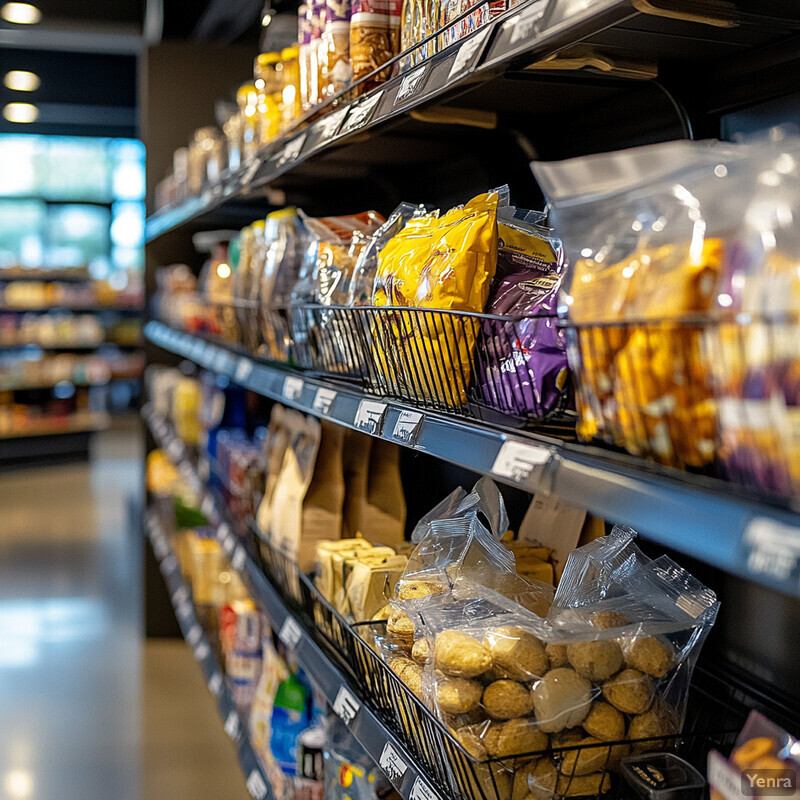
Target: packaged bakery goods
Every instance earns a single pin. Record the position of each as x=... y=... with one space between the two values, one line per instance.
x=523 y=362
x=644 y=233
x=374 y=40
x=445 y=264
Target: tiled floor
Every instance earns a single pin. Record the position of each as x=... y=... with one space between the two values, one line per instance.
x=86 y=711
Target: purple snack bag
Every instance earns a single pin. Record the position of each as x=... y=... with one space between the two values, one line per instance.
x=523 y=364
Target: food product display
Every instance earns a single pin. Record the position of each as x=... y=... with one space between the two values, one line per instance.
x=374 y=40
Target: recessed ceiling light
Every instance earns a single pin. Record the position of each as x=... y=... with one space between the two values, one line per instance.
x=21 y=80
x=20 y=112
x=21 y=13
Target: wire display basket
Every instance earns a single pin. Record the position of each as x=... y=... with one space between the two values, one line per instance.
x=469 y=364
x=461 y=769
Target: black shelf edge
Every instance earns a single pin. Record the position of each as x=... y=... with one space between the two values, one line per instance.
x=714 y=522
x=378 y=741
x=180 y=595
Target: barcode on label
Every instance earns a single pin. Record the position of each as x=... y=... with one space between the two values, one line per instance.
x=238 y=558
x=516 y=460
x=323 y=400
x=232 y=725
x=370 y=416
x=345 y=705
x=392 y=764
x=290 y=633
x=243 y=370
x=292 y=388
x=421 y=791
x=256 y=785
x=407 y=427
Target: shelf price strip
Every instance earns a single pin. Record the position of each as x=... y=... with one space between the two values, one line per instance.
x=469 y=49
x=256 y=785
x=370 y=416
x=391 y=763
x=407 y=428
x=410 y=84
x=517 y=460
x=290 y=633
x=346 y=705
x=323 y=400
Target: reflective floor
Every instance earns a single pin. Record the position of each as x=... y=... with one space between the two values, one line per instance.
x=87 y=711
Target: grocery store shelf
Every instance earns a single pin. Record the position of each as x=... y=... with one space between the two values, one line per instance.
x=708 y=519
x=476 y=71
x=29 y=387
x=180 y=594
x=70 y=348
x=77 y=309
x=79 y=422
x=380 y=743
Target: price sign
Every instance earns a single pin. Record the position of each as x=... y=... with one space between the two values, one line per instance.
x=361 y=112
x=292 y=387
x=207 y=506
x=516 y=460
x=407 y=428
x=392 y=764
x=291 y=151
x=256 y=785
x=370 y=416
x=194 y=635
x=421 y=791
x=228 y=545
x=238 y=559
x=469 y=48
x=243 y=370
x=232 y=725
x=201 y=651
x=290 y=633
x=184 y=609
x=329 y=127
x=523 y=25
x=174 y=449
x=169 y=564
x=250 y=172
x=215 y=684
x=410 y=84
x=773 y=548
x=346 y=705
x=323 y=400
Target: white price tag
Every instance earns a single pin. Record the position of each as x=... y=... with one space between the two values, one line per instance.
x=291 y=151
x=207 y=506
x=223 y=532
x=774 y=548
x=345 y=705
x=410 y=84
x=292 y=387
x=522 y=26
x=290 y=633
x=251 y=170
x=323 y=400
x=243 y=370
x=256 y=785
x=421 y=791
x=228 y=545
x=516 y=460
x=201 y=651
x=469 y=47
x=238 y=558
x=160 y=546
x=407 y=427
x=361 y=112
x=232 y=725
x=174 y=449
x=329 y=127
x=215 y=684
x=169 y=563
x=184 y=609
x=194 y=635
x=391 y=763
x=370 y=416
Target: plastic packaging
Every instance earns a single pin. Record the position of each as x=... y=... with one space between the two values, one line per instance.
x=335 y=48
x=524 y=363
x=269 y=107
x=291 y=100
x=642 y=231
x=663 y=776
x=247 y=100
x=374 y=39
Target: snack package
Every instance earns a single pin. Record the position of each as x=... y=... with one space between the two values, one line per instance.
x=384 y=513
x=374 y=39
x=755 y=364
x=355 y=468
x=445 y=264
x=765 y=757
x=523 y=363
x=642 y=232
x=247 y=282
x=335 y=48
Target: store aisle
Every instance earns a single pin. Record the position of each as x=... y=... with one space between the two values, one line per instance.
x=71 y=689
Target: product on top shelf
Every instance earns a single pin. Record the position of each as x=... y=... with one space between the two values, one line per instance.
x=316 y=17
x=336 y=69
x=269 y=102
x=374 y=39
x=304 y=55
x=643 y=231
x=291 y=101
x=247 y=100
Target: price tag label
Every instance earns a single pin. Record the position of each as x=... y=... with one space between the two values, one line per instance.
x=516 y=460
x=773 y=548
x=290 y=633
x=184 y=609
x=207 y=506
x=223 y=532
x=392 y=764
x=421 y=791
x=346 y=705
x=243 y=370
x=160 y=547
x=361 y=112
x=256 y=785
x=370 y=416
x=174 y=449
x=232 y=725
x=194 y=635
x=251 y=170
x=469 y=48
x=329 y=127
x=215 y=684
x=292 y=387
x=291 y=151
x=523 y=25
x=201 y=651
x=238 y=558
x=323 y=400
x=407 y=428
x=169 y=564
x=410 y=84
x=228 y=545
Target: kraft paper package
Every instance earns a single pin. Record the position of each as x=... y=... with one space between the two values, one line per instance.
x=355 y=468
x=384 y=517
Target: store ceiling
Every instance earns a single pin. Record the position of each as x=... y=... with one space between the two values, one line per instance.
x=85 y=54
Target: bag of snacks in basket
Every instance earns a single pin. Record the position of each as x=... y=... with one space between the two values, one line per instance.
x=436 y=267
x=643 y=233
x=523 y=363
